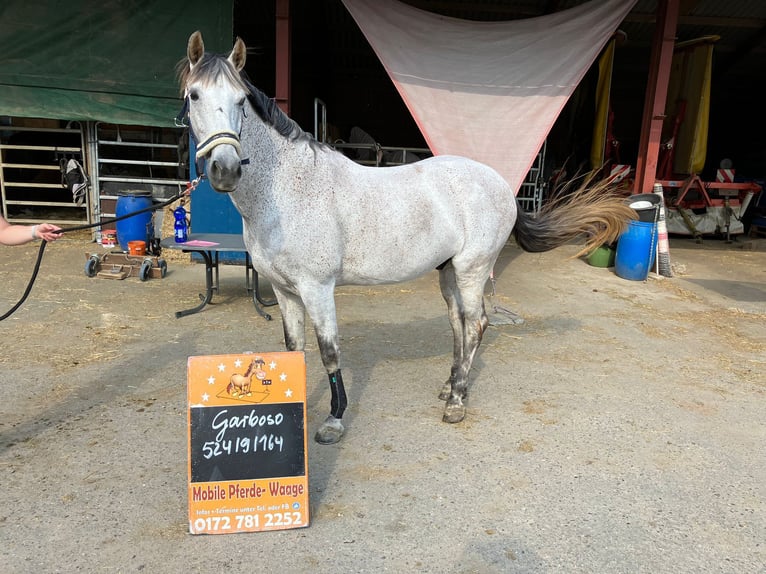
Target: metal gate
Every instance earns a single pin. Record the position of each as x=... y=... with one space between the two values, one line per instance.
x=129 y=159
x=31 y=159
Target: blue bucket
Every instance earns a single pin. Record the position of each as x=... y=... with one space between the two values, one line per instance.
x=137 y=228
x=635 y=251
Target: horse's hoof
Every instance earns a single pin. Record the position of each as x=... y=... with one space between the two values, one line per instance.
x=454 y=412
x=446 y=391
x=330 y=432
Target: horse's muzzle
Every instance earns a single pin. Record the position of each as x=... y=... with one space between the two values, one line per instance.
x=224 y=169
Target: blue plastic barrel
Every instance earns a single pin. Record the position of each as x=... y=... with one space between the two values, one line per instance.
x=635 y=251
x=139 y=227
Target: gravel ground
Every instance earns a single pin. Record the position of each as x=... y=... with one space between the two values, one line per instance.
x=620 y=428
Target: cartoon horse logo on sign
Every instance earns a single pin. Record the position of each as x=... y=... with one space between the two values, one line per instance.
x=240 y=385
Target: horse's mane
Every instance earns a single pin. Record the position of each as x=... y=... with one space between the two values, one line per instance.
x=212 y=66
x=268 y=110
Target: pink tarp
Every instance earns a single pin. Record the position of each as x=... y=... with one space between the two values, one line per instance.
x=490 y=91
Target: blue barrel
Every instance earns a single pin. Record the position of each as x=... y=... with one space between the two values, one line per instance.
x=635 y=251
x=139 y=227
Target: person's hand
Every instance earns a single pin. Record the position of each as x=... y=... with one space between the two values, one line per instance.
x=47 y=231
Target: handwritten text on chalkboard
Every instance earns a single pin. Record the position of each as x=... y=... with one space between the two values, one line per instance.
x=253 y=441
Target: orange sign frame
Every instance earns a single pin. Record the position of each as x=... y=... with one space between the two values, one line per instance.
x=246 y=421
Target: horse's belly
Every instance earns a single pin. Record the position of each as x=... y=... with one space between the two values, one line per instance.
x=381 y=276
x=393 y=262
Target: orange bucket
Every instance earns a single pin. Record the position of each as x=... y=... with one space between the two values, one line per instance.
x=137 y=247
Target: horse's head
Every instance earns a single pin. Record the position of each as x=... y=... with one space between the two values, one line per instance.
x=216 y=99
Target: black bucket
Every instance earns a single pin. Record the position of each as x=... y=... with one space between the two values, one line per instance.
x=646 y=213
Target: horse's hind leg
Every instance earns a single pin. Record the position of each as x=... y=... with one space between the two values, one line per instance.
x=474 y=322
x=452 y=297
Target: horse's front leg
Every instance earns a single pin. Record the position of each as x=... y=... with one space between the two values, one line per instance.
x=293 y=319
x=320 y=305
x=321 y=309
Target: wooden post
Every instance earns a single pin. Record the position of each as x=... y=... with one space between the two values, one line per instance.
x=283 y=55
x=656 y=95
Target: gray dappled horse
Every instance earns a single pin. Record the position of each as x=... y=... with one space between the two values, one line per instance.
x=314 y=219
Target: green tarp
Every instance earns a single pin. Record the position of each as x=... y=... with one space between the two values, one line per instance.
x=106 y=60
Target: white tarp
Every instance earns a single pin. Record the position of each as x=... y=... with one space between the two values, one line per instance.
x=490 y=91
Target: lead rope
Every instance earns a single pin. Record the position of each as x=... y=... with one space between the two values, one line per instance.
x=189 y=188
x=499 y=310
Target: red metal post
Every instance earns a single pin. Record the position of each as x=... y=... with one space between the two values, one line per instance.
x=282 y=95
x=656 y=95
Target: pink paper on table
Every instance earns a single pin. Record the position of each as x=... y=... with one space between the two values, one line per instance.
x=200 y=243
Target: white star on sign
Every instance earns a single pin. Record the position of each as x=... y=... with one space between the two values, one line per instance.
x=272 y=365
x=211 y=380
x=283 y=377
x=205 y=397
x=238 y=363
x=221 y=368
x=288 y=393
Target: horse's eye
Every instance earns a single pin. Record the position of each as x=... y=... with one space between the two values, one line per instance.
x=193 y=95
x=241 y=101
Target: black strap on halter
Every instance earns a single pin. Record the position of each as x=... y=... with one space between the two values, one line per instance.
x=181 y=117
x=181 y=122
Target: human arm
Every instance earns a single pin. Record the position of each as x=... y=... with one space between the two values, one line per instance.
x=12 y=234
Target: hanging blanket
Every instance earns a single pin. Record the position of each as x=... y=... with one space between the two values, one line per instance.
x=490 y=91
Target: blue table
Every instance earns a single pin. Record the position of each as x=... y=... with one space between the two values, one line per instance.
x=209 y=245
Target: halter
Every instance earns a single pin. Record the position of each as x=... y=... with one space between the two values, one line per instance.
x=219 y=138
x=224 y=137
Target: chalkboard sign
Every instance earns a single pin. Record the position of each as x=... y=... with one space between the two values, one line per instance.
x=247 y=443
x=235 y=443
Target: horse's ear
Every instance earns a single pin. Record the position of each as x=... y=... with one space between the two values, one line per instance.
x=196 y=48
x=238 y=55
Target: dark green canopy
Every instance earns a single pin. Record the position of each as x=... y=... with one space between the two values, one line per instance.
x=103 y=60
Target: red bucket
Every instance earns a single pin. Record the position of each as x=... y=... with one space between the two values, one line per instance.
x=109 y=238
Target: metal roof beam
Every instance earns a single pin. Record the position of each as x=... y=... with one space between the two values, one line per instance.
x=714 y=21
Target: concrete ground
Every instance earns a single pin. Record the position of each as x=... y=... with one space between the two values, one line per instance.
x=620 y=428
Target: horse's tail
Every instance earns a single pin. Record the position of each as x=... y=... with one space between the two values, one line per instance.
x=596 y=211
